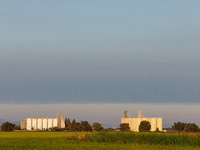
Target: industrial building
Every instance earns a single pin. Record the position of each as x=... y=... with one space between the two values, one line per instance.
x=134 y=122
x=42 y=123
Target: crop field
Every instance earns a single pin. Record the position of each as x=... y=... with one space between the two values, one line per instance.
x=98 y=140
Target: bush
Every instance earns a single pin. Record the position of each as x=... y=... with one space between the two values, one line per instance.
x=144 y=126
x=57 y=129
x=7 y=127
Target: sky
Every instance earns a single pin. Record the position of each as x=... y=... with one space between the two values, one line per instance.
x=99 y=52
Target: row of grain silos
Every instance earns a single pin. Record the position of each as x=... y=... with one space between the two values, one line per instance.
x=41 y=123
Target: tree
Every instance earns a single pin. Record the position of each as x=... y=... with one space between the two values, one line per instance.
x=191 y=127
x=67 y=124
x=15 y=127
x=7 y=127
x=85 y=126
x=179 y=126
x=124 y=127
x=97 y=126
x=72 y=125
x=157 y=130
x=144 y=126
x=77 y=126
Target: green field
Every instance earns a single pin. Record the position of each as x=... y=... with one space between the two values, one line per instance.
x=98 y=140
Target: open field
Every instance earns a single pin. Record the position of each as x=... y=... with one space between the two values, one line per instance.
x=98 y=140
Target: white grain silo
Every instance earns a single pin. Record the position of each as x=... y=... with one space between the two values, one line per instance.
x=44 y=123
x=134 y=122
x=50 y=123
x=34 y=123
x=29 y=124
x=39 y=126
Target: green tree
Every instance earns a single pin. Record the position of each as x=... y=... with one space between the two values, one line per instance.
x=144 y=126
x=124 y=127
x=72 y=125
x=77 y=126
x=67 y=124
x=15 y=127
x=97 y=126
x=179 y=126
x=85 y=126
x=157 y=130
x=7 y=127
x=191 y=127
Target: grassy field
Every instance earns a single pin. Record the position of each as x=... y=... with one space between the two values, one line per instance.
x=98 y=140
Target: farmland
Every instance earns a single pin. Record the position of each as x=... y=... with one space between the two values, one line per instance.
x=98 y=140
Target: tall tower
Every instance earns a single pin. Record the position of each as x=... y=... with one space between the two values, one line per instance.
x=59 y=119
x=125 y=114
x=139 y=113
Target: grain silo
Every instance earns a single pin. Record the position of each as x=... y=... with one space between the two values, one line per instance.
x=39 y=127
x=50 y=123
x=42 y=123
x=134 y=122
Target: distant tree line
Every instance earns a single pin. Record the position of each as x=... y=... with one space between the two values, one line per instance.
x=185 y=127
x=83 y=126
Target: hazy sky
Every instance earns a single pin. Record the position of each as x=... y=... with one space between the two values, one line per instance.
x=104 y=113
x=116 y=51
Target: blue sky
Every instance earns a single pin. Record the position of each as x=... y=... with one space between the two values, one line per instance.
x=99 y=51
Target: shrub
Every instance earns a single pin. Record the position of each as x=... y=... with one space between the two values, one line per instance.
x=57 y=129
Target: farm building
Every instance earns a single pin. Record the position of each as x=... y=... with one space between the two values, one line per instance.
x=42 y=123
x=134 y=122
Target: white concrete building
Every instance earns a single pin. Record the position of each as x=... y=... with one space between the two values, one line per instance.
x=134 y=122
x=42 y=123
